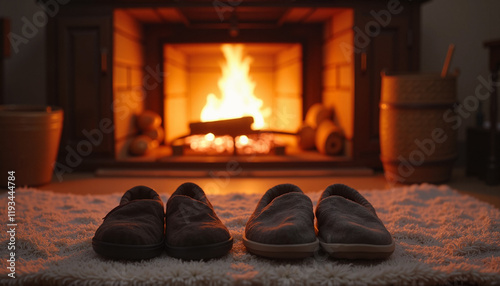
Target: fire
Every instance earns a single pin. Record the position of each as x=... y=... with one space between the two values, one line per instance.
x=237 y=91
x=237 y=100
x=243 y=144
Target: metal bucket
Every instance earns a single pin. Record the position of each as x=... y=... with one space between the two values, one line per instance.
x=418 y=142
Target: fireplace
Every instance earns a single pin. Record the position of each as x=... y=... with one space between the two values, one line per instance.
x=116 y=59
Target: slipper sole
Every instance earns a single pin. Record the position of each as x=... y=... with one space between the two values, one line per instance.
x=129 y=252
x=200 y=252
x=281 y=251
x=358 y=251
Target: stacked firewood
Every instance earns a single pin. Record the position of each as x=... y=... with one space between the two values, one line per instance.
x=151 y=133
x=320 y=131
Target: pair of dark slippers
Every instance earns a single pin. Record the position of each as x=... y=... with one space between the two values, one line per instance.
x=139 y=228
x=282 y=226
x=347 y=226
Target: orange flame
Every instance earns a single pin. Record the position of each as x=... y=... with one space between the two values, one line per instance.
x=237 y=89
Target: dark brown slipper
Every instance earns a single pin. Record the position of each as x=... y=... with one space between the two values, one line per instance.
x=349 y=226
x=134 y=229
x=193 y=230
x=282 y=225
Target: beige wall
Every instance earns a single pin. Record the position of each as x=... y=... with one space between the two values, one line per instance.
x=467 y=24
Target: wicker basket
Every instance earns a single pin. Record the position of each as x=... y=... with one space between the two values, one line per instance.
x=30 y=143
x=417 y=143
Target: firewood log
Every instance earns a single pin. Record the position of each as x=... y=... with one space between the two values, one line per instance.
x=141 y=145
x=232 y=127
x=306 y=137
x=329 y=138
x=148 y=120
x=155 y=133
x=316 y=114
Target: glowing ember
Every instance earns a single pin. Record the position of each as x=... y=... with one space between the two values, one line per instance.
x=210 y=137
x=237 y=91
x=251 y=144
x=243 y=140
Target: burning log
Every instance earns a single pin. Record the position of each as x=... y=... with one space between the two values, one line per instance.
x=232 y=127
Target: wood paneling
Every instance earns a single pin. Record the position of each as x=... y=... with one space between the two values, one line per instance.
x=84 y=80
x=389 y=46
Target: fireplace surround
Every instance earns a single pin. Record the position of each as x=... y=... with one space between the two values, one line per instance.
x=109 y=64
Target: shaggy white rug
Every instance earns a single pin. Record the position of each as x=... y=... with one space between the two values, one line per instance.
x=442 y=237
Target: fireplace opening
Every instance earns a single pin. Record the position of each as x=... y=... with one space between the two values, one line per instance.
x=220 y=81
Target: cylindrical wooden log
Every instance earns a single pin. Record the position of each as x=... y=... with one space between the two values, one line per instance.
x=306 y=137
x=155 y=134
x=316 y=114
x=141 y=145
x=329 y=138
x=416 y=141
x=148 y=120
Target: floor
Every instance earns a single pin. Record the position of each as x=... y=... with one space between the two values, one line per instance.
x=89 y=183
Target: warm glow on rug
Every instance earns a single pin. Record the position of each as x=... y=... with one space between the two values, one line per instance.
x=237 y=91
x=443 y=237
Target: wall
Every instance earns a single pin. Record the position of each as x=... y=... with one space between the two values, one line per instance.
x=464 y=22
x=287 y=105
x=25 y=68
x=338 y=74
x=175 y=90
x=128 y=78
x=467 y=24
